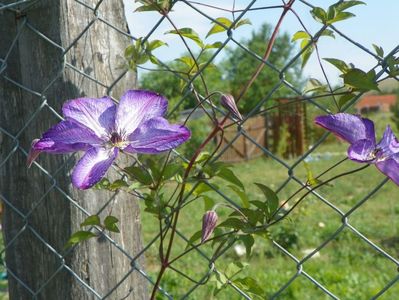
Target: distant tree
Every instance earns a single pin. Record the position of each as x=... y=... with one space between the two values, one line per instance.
x=171 y=85
x=239 y=66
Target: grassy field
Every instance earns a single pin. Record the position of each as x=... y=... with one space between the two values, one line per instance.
x=347 y=265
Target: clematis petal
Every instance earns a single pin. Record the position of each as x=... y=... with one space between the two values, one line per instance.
x=92 y=166
x=64 y=137
x=362 y=151
x=96 y=114
x=350 y=128
x=389 y=167
x=136 y=107
x=389 y=145
x=157 y=135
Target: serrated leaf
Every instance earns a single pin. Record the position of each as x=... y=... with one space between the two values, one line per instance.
x=78 y=237
x=339 y=64
x=188 y=33
x=110 y=223
x=93 y=220
x=378 y=50
x=271 y=198
x=229 y=176
x=243 y=196
x=300 y=35
x=360 y=80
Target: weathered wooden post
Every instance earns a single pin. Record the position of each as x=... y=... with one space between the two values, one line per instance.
x=63 y=49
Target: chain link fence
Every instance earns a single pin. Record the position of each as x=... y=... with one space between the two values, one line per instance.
x=297 y=267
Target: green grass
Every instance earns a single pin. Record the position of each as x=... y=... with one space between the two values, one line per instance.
x=347 y=265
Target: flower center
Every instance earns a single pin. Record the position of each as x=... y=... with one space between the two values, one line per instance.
x=116 y=140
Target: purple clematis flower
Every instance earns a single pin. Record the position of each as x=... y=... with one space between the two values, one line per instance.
x=359 y=133
x=102 y=129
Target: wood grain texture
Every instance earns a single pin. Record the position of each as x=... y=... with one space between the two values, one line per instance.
x=38 y=218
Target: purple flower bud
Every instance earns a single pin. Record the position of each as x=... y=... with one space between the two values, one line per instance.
x=228 y=102
x=209 y=221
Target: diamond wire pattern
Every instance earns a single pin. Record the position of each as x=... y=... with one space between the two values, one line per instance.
x=24 y=5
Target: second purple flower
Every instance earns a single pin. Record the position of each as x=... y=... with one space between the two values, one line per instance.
x=102 y=129
x=359 y=133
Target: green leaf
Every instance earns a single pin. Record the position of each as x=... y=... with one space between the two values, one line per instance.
x=215 y=45
x=171 y=170
x=271 y=198
x=188 y=61
x=188 y=33
x=307 y=53
x=209 y=203
x=328 y=32
x=195 y=237
x=378 y=50
x=201 y=188
x=229 y=176
x=347 y=4
x=250 y=285
x=155 y=44
x=103 y=184
x=300 y=35
x=340 y=17
x=93 y=220
x=242 y=22
x=248 y=241
x=311 y=180
x=314 y=85
x=234 y=268
x=319 y=14
x=360 y=80
x=233 y=223
x=78 y=237
x=223 y=24
x=110 y=223
x=243 y=196
x=345 y=99
x=339 y=64
x=117 y=184
x=139 y=174
x=219 y=28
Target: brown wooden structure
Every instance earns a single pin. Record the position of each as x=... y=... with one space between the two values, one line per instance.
x=286 y=124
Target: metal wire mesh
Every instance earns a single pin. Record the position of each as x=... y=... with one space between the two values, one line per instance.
x=296 y=265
